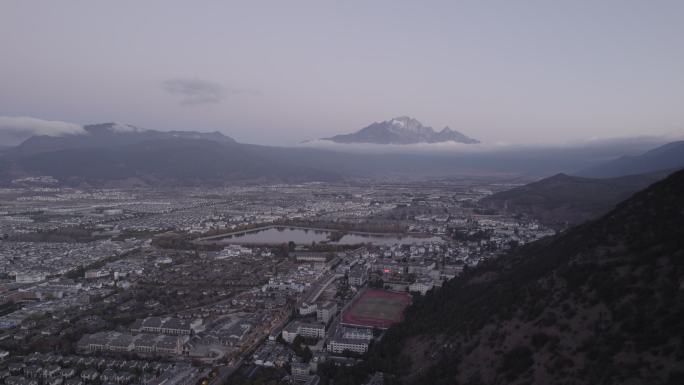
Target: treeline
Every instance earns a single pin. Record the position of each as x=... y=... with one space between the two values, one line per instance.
x=364 y=227
x=340 y=227
x=182 y=242
x=236 y=229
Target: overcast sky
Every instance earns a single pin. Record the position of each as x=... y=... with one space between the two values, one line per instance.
x=278 y=72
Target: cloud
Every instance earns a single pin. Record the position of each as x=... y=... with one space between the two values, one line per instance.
x=193 y=92
x=14 y=129
x=122 y=127
x=442 y=147
x=617 y=146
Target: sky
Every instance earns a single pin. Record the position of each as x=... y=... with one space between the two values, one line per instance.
x=279 y=72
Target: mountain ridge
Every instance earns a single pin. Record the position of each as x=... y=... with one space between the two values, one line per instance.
x=402 y=130
x=563 y=200
x=112 y=153
x=110 y=146
x=108 y=135
x=668 y=156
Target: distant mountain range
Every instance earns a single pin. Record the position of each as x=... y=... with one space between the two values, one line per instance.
x=127 y=155
x=563 y=200
x=402 y=130
x=667 y=157
x=115 y=154
x=110 y=135
x=599 y=304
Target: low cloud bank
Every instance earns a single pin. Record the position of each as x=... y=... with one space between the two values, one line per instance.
x=14 y=129
x=628 y=145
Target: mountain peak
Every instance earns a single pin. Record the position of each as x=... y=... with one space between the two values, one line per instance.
x=405 y=121
x=402 y=130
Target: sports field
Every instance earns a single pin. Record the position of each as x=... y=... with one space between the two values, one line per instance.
x=376 y=308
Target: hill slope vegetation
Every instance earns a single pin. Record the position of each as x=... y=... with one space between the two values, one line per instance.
x=602 y=303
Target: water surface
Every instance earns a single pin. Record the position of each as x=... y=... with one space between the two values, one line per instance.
x=278 y=235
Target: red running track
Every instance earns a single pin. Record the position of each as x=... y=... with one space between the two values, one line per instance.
x=351 y=316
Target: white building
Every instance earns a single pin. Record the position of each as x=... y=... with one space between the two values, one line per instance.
x=422 y=285
x=357 y=333
x=304 y=329
x=30 y=277
x=358 y=276
x=350 y=339
x=326 y=311
x=92 y=274
x=290 y=332
x=340 y=345
x=312 y=329
x=300 y=371
x=306 y=309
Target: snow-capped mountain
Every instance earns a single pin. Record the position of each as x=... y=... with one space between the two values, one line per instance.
x=402 y=130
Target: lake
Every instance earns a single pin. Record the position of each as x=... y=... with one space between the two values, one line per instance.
x=278 y=235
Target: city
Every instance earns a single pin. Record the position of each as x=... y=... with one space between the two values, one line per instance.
x=185 y=285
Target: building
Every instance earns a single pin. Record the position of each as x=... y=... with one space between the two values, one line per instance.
x=30 y=277
x=233 y=251
x=93 y=274
x=422 y=267
x=310 y=256
x=341 y=345
x=290 y=332
x=351 y=339
x=300 y=372
x=422 y=285
x=312 y=329
x=168 y=325
x=358 y=275
x=128 y=343
x=357 y=333
x=306 y=309
x=326 y=311
x=304 y=329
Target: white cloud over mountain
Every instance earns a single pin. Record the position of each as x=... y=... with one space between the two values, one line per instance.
x=14 y=129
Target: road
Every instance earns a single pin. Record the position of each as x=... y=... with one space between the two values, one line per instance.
x=319 y=287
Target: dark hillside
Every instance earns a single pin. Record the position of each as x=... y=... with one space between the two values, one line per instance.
x=600 y=304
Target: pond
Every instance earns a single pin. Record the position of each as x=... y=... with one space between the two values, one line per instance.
x=278 y=235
